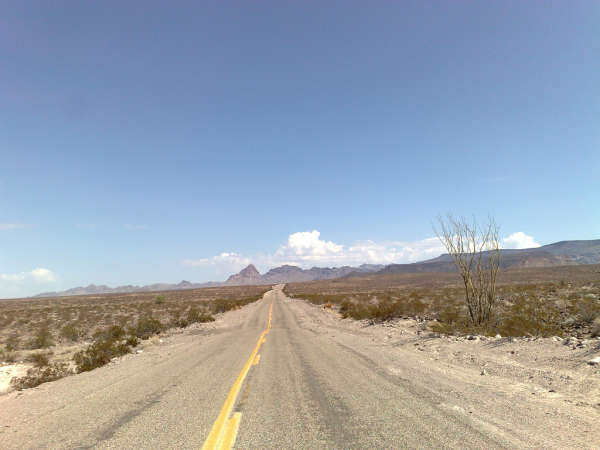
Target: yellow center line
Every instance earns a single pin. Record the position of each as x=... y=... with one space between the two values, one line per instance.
x=231 y=432
x=216 y=433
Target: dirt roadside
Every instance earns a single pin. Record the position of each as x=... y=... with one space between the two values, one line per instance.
x=548 y=380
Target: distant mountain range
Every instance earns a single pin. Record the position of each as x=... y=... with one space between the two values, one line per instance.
x=562 y=253
x=248 y=276
x=102 y=289
x=558 y=254
x=290 y=274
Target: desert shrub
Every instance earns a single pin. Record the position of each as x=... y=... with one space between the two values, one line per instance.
x=70 y=332
x=196 y=316
x=42 y=339
x=357 y=311
x=132 y=341
x=12 y=343
x=595 y=327
x=383 y=309
x=40 y=359
x=178 y=321
x=9 y=357
x=41 y=374
x=160 y=299
x=146 y=327
x=99 y=354
x=586 y=310
x=530 y=314
x=116 y=332
x=222 y=305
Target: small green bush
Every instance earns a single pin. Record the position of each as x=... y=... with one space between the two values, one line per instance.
x=12 y=343
x=39 y=374
x=99 y=354
x=132 y=341
x=42 y=339
x=70 y=332
x=195 y=316
x=9 y=357
x=160 y=299
x=40 y=359
x=178 y=321
x=116 y=332
x=146 y=327
x=585 y=309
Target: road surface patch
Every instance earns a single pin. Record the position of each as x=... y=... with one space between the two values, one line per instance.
x=224 y=430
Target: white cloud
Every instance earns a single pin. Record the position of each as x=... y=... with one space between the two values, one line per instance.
x=306 y=249
x=222 y=262
x=25 y=283
x=36 y=275
x=43 y=275
x=306 y=245
x=13 y=226
x=519 y=240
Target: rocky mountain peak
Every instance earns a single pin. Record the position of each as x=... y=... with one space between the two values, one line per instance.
x=249 y=272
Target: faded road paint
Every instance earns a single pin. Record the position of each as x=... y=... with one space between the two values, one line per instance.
x=224 y=431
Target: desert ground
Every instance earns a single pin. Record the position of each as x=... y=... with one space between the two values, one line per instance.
x=529 y=391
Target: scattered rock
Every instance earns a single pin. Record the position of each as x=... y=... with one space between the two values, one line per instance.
x=498 y=336
x=594 y=361
x=484 y=372
x=571 y=341
x=430 y=326
x=472 y=338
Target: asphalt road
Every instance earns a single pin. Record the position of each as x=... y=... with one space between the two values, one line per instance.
x=304 y=392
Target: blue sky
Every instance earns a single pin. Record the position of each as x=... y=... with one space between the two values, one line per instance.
x=146 y=142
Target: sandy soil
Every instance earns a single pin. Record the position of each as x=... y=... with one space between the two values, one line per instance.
x=549 y=368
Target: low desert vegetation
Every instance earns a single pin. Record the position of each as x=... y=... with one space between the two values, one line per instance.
x=160 y=299
x=106 y=326
x=541 y=309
